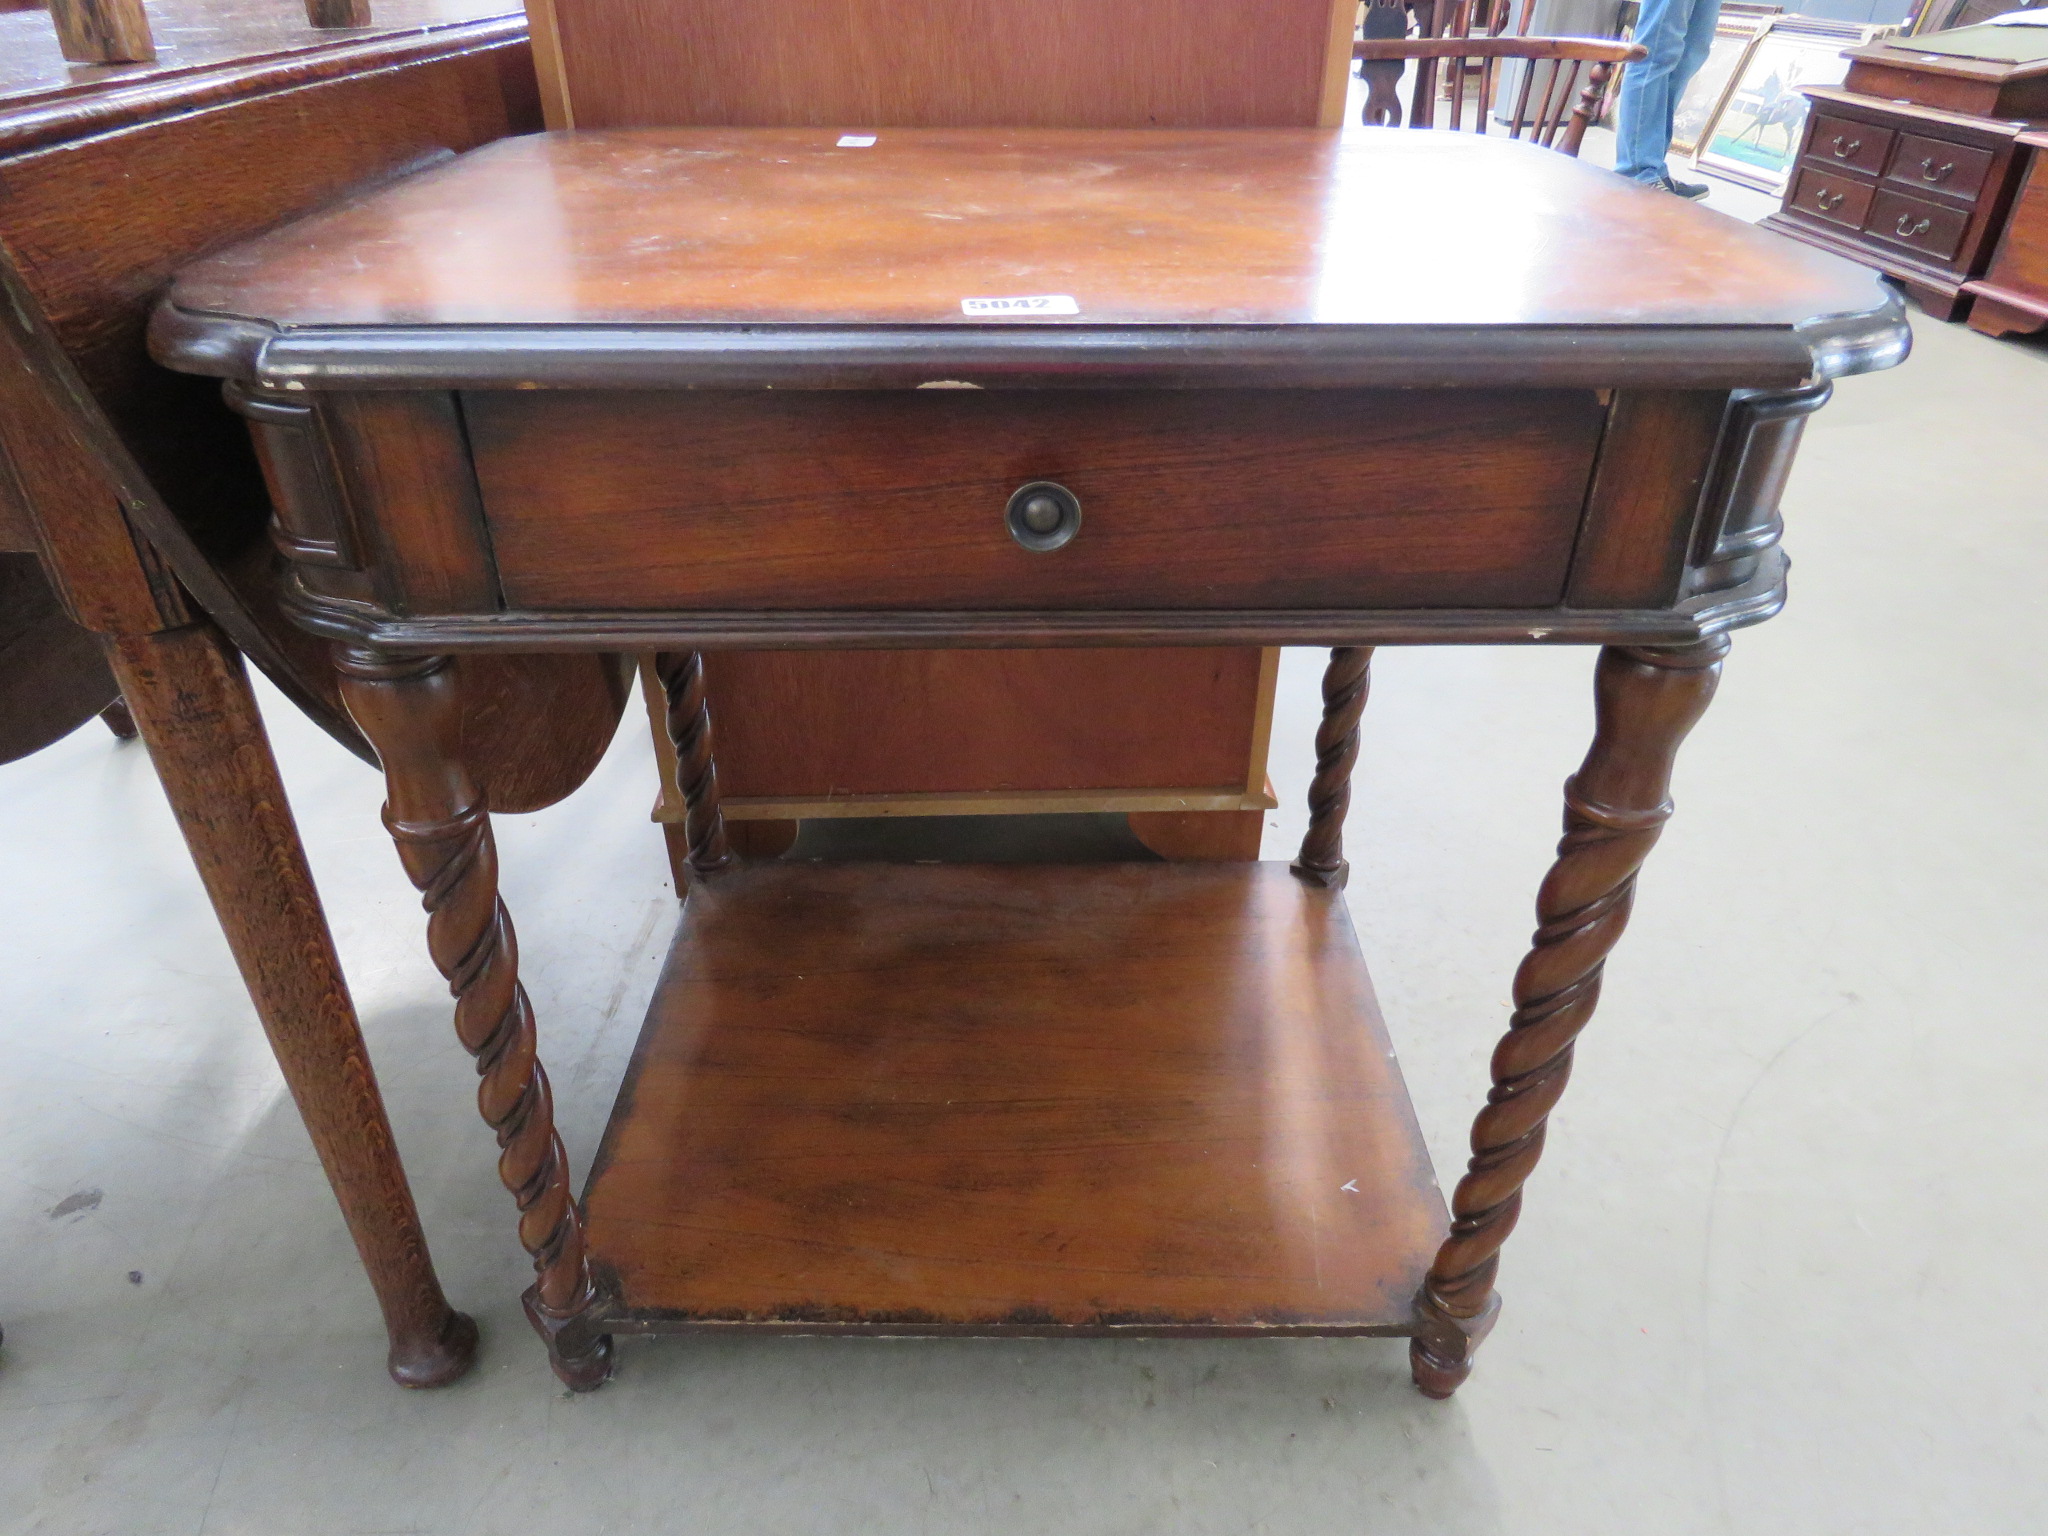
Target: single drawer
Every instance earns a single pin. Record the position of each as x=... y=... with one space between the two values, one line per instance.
x=1935 y=165
x=900 y=499
x=1827 y=196
x=1844 y=141
x=1930 y=228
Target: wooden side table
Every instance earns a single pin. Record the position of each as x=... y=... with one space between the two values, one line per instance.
x=660 y=391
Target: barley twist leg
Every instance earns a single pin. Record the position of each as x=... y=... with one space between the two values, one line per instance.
x=1345 y=682
x=410 y=709
x=689 y=727
x=1615 y=806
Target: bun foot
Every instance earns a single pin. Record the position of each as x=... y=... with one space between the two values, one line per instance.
x=1434 y=1375
x=581 y=1356
x=437 y=1361
x=1440 y=1354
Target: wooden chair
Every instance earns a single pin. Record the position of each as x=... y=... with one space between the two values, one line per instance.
x=1553 y=105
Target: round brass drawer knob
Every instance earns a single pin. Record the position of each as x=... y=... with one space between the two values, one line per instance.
x=1043 y=515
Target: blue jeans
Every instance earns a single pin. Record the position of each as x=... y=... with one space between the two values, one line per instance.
x=1678 y=34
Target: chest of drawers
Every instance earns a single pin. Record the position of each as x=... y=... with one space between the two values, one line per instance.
x=1918 y=192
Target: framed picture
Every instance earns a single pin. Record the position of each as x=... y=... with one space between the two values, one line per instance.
x=1755 y=132
x=1734 y=35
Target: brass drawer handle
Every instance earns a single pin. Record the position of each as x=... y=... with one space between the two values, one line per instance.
x=1844 y=150
x=1827 y=201
x=1930 y=172
x=1907 y=228
x=1043 y=515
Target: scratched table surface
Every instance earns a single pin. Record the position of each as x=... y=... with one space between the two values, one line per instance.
x=201 y=34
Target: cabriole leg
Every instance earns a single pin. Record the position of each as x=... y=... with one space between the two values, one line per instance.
x=1647 y=699
x=191 y=701
x=410 y=709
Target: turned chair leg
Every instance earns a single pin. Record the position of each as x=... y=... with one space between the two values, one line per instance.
x=410 y=709
x=1345 y=683
x=1647 y=699
x=191 y=702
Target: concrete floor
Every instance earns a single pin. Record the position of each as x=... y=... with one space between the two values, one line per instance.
x=1777 y=1273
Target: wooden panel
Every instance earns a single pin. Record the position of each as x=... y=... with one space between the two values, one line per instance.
x=1272 y=227
x=17 y=528
x=99 y=224
x=1839 y=199
x=931 y=722
x=1948 y=93
x=943 y=63
x=53 y=677
x=1646 y=492
x=1206 y=498
x=1860 y=146
x=108 y=583
x=1200 y=836
x=1015 y=1098
x=409 y=481
x=2014 y=293
x=1929 y=228
x=1940 y=165
x=1897 y=72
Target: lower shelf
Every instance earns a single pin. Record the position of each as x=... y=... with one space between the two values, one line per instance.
x=1002 y=1099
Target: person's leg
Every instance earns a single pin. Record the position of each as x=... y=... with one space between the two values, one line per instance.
x=1643 y=118
x=1699 y=38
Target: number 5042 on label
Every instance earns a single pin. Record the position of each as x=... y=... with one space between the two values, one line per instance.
x=1036 y=304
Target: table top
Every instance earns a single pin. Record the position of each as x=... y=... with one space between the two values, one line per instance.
x=1914 y=54
x=1307 y=237
x=202 y=34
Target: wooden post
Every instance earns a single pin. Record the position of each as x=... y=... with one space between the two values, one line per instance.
x=1345 y=682
x=1646 y=699
x=338 y=13
x=103 y=31
x=191 y=701
x=410 y=709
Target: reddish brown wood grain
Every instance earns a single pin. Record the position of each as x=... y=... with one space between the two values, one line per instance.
x=109 y=182
x=1200 y=836
x=1069 y=720
x=1639 y=517
x=939 y=63
x=1014 y=1098
x=2013 y=294
x=1894 y=70
x=410 y=708
x=53 y=676
x=192 y=702
x=1140 y=228
x=1615 y=807
x=1208 y=499
x=404 y=465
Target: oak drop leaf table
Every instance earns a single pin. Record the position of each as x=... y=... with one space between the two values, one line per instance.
x=676 y=390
